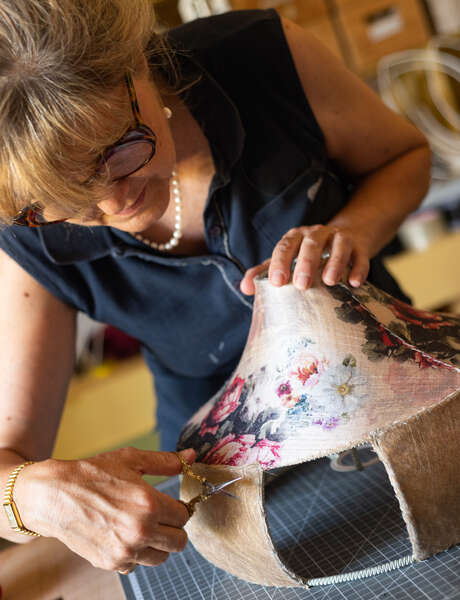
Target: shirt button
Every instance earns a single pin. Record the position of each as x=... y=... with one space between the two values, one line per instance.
x=216 y=230
x=118 y=252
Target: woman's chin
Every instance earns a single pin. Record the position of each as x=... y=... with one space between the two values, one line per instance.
x=134 y=225
x=148 y=209
x=138 y=222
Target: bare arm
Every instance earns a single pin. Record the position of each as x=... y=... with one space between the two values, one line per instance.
x=99 y=507
x=37 y=337
x=385 y=154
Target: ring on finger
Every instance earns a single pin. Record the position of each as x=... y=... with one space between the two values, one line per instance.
x=325 y=254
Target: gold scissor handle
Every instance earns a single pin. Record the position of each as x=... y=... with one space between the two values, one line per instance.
x=187 y=470
x=208 y=489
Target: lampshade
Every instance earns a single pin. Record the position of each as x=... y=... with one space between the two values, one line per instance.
x=325 y=370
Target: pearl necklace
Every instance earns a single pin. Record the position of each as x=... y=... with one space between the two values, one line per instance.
x=177 y=234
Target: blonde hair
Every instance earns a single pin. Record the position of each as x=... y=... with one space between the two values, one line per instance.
x=60 y=63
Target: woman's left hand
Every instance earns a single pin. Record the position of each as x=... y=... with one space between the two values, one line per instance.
x=307 y=244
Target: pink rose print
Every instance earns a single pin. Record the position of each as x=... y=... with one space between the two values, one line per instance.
x=204 y=429
x=284 y=392
x=224 y=407
x=229 y=401
x=231 y=450
x=284 y=388
x=239 y=450
x=266 y=453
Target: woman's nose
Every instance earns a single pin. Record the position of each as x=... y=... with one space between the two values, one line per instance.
x=116 y=198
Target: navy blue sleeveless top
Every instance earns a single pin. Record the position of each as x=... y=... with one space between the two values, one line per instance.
x=272 y=174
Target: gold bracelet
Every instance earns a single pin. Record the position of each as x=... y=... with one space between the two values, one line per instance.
x=9 y=505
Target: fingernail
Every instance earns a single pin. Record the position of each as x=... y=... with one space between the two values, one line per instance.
x=302 y=280
x=330 y=278
x=188 y=454
x=278 y=278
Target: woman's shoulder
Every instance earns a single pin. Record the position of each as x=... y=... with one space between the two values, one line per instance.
x=235 y=26
x=244 y=51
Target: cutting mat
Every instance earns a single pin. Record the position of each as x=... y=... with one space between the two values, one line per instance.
x=323 y=522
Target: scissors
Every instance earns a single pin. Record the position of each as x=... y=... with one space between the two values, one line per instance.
x=208 y=489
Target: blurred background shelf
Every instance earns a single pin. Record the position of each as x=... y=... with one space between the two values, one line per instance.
x=442 y=194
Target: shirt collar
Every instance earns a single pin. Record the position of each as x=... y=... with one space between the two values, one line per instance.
x=220 y=121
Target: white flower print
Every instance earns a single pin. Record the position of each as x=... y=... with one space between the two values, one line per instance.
x=340 y=392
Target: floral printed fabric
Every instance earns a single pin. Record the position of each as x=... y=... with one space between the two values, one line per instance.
x=319 y=373
x=432 y=335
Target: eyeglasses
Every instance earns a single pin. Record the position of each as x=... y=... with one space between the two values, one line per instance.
x=129 y=154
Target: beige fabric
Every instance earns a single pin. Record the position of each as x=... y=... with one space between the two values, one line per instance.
x=232 y=534
x=421 y=456
x=422 y=459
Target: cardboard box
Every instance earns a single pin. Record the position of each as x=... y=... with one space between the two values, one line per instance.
x=370 y=29
x=296 y=10
x=336 y=4
x=309 y=14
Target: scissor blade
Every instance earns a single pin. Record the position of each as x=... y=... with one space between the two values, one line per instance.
x=218 y=488
x=230 y=495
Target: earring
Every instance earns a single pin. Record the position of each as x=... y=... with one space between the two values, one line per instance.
x=168 y=112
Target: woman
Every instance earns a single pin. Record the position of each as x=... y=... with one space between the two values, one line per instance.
x=273 y=151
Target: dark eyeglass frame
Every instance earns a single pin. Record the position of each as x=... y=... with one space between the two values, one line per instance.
x=32 y=215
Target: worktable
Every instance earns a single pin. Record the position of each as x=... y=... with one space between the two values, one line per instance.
x=321 y=520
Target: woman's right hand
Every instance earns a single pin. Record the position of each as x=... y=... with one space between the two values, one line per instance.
x=103 y=510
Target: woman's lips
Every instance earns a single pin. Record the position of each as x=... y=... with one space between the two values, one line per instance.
x=127 y=212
